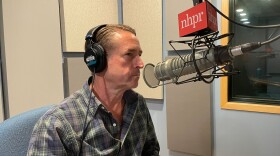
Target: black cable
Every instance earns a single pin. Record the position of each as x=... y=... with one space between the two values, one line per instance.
x=244 y=25
x=85 y=121
x=271 y=40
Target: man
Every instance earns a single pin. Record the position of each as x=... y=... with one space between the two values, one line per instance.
x=105 y=117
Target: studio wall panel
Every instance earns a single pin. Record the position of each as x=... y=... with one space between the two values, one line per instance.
x=79 y=16
x=189 y=118
x=145 y=16
x=32 y=58
x=77 y=74
x=173 y=8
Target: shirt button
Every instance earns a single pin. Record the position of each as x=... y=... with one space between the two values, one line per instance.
x=114 y=124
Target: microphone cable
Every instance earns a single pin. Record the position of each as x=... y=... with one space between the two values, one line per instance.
x=87 y=112
x=270 y=40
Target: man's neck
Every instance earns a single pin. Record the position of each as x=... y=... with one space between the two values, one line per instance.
x=111 y=98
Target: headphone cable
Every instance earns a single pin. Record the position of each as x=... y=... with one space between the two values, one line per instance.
x=85 y=121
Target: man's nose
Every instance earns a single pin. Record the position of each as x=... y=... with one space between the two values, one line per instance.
x=139 y=63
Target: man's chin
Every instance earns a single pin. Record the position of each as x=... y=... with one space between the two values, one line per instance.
x=134 y=85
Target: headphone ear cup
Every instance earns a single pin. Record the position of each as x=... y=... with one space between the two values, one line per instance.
x=100 y=57
x=95 y=57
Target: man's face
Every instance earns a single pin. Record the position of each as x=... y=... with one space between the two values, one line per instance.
x=124 y=61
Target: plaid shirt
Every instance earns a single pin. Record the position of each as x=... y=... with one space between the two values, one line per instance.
x=61 y=130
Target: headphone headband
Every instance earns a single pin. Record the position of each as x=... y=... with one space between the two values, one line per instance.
x=93 y=32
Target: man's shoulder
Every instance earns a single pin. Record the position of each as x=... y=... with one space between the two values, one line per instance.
x=74 y=104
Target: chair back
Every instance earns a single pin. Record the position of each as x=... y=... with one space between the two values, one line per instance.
x=15 y=132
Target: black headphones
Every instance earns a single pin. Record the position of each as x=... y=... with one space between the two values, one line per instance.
x=95 y=56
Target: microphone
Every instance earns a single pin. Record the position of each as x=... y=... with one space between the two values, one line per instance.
x=184 y=65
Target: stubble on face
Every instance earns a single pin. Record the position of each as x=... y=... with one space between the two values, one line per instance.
x=121 y=71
